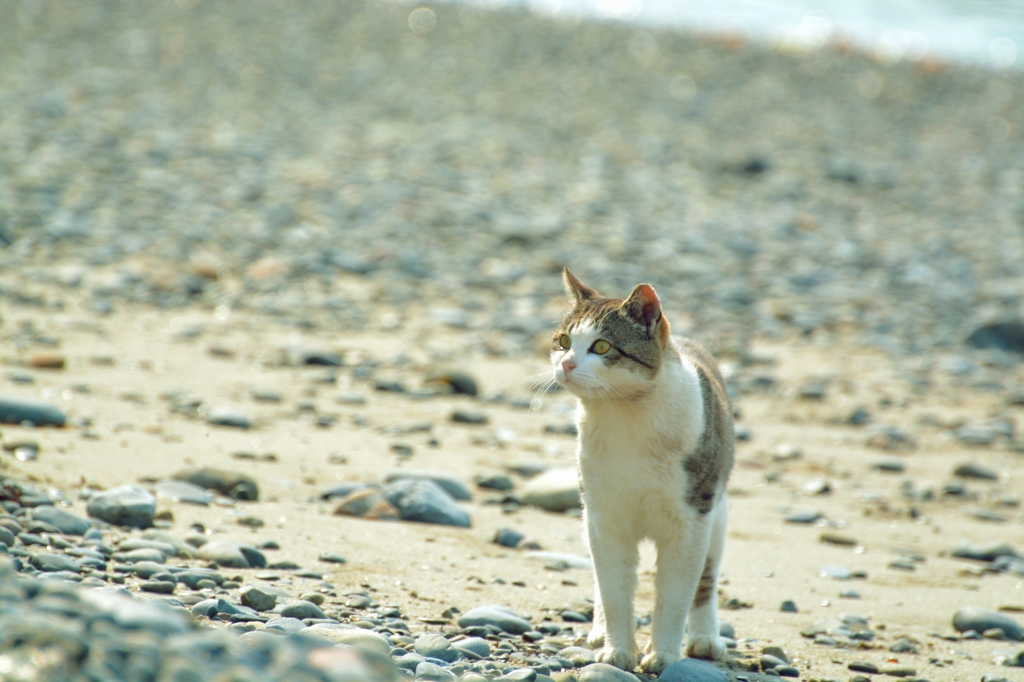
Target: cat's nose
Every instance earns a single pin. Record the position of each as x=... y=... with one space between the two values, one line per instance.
x=568 y=366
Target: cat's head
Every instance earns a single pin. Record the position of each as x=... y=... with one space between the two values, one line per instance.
x=609 y=348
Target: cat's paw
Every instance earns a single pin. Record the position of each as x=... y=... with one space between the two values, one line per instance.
x=654 y=662
x=620 y=658
x=596 y=638
x=706 y=647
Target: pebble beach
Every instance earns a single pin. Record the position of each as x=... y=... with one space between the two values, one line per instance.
x=277 y=284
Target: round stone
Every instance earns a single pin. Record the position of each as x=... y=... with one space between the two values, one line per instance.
x=127 y=505
x=602 y=672
x=980 y=620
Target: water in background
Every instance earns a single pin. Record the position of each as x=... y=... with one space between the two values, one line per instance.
x=985 y=32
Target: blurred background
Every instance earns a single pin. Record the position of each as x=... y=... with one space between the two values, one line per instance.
x=335 y=163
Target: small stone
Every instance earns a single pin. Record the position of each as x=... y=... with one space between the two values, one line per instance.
x=157 y=586
x=301 y=610
x=258 y=598
x=15 y=411
x=127 y=505
x=805 y=516
x=814 y=390
x=849 y=594
x=341 y=490
x=451 y=485
x=975 y=435
x=902 y=646
x=65 y=521
x=863 y=667
x=507 y=537
x=556 y=490
x=433 y=673
x=579 y=656
x=788 y=671
x=48 y=563
x=980 y=620
x=331 y=558
x=46 y=361
x=358 y=601
x=975 y=470
x=899 y=671
x=834 y=538
x=769 y=662
x=455 y=381
x=501 y=617
x=692 y=670
x=433 y=645
x=233 y=484
x=424 y=501
x=835 y=572
x=470 y=417
x=788 y=606
x=499 y=482
x=361 y=639
x=226 y=416
x=602 y=672
x=182 y=491
x=890 y=465
x=232 y=554
x=475 y=645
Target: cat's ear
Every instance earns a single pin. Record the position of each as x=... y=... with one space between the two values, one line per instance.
x=644 y=306
x=577 y=290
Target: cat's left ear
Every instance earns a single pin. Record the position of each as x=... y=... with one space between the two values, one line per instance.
x=576 y=289
x=644 y=306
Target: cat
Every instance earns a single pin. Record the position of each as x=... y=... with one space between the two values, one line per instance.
x=655 y=449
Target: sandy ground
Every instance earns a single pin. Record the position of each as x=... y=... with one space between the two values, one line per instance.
x=426 y=569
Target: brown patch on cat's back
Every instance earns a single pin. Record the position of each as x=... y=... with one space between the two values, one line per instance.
x=708 y=466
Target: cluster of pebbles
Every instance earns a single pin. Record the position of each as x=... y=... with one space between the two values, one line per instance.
x=205 y=153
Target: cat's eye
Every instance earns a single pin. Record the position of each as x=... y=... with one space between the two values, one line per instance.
x=601 y=347
x=565 y=342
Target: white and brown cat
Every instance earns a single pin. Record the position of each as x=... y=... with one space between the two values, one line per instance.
x=655 y=451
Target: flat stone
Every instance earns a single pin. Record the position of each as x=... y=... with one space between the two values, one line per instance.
x=602 y=672
x=470 y=417
x=979 y=619
x=433 y=645
x=426 y=502
x=805 y=516
x=65 y=521
x=500 y=482
x=863 y=667
x=301 y=610
x=475 y=645
x=289 y=626
x=451 y=485
x=232 y=554
x=409 y=661
x=231 y=483
x=157 y=586
x=332 y=558
x=127 y=505
x=183 y=491
x=975 y=435
x=226 y=416
x=555 y=490
x=835 y=572
x=455 y=381
x=47 y=562
x=367 y=503
x=975 y=470
x=15 y=411
x=433 y=673
x=579 y=656
x=501 y=617
x=364 y=640
x=147 y=554
x=508 y=537
x=966 y=550
x=902 y=646
x=255 y=597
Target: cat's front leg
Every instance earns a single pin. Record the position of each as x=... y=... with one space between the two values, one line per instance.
x=680 y=564
x=615 y=565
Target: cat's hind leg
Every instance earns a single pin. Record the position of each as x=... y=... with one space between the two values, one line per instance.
x=596 y=637
x=703 y=640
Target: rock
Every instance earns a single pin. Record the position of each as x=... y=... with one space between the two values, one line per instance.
x=341 y=490
x=331 y=558
x=966 y=550
x=232 y=554
x=899 y=671
x=454 y=381
x=127 y=505
x=433 y=673
x=475 y=645
x=499 y=482
x=49 y=563
x=230 y=483
x=975 y=435
x=433 y=645
x=556 y=490
x=182 y=491
x=789 y=606
x=366 y=503
x=258 y=598
x=361 y=639
x=409 y=661
x=147 y=554
x=769 y=662
x=226 y=416
x=805 y=516
x=979 y=619
x=451 y=485
x=470 y=417
x=863 y=667
x=814 y=389
x=975 y=470
x=1005 y=336
x=157 y=586
x=15 y=411
x=301 y=609
x=501 y=617
x=426 y=502
x=65 y=521
x=890 y=465
x=835 y=572
x=602 y=672
x=289 y=626
x=507 y=537
x=579 y=656
x=903 y=646
x=834 y=538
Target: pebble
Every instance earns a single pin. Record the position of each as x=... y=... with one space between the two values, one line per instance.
x=789 y=606
x=66 y=522
x=15 y=411
x=433 y=645
x=301 y=609
x=475 y=645
x=975 y=435
x=364 y=640
x=975 y=470
x=231 y=483
x=433 y=673
x=47 y=562
x=806 y=516
x=451 y=485
x=980 y=619
x=258 y=598
x=426 y=502
x=890 y=465
x=501 y=617
x=556 y=490
x=226 y=416
x=499 y=482
x=863 y=667
x=602 y=672
x=127 y=505
x=579 y=656
x=342 y=490
x=367 y=503
x=470 y=417
x=834 y=538
x=232 y=554
x=456 y=381
x=902 y=646
x=182 y=491
x=331 y=558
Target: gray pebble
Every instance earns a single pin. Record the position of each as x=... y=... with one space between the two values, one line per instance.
x=788 y=606
x=476 y=645
x=231 y=483
x=432 y=645
x=979 y=619
x=501 y=617
x=499 y=482
x=433 y=673
x=258 y=598
x=425 y=501
x=508 y=537
x=578 y=656
x=183 y=491
x=805 y=516
x=285 y=624
x=16 y=410
x=835 y=572
x=232 y=554
x=470 y=417
x=602 y=672
x=226 y=416
x=451 y=485
x=902 y=646
x=409 y=661
x=141 y=554
x=331 y=558
x=65 y=521
x=975 y=470
x=54 y=562
x=127 y=505
x=301 y=609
